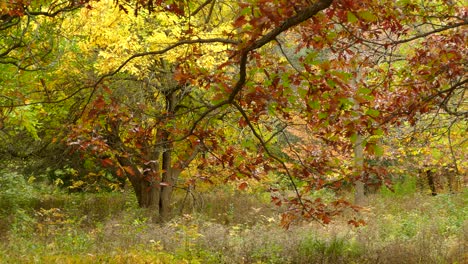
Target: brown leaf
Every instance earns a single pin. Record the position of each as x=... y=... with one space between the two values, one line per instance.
x=243 y=186
x=107 y=162
x=240 y=21
x=129 y=170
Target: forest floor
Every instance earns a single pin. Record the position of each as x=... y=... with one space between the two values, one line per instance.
x=228 y=226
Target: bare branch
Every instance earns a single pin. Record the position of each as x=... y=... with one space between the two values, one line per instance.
x=401 y=41
x=201 y=7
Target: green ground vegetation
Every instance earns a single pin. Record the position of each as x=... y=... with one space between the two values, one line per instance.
x=40 y=223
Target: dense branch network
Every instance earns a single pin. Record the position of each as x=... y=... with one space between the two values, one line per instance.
x=339 y=78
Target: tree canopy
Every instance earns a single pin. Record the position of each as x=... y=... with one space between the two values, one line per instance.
x=275 y=91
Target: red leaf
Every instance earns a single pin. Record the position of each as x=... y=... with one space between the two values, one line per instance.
x=119 y=172
x=337 y=184
x=276 y=201
x=242 y=122
x=325 y=219
x=240 y=21
x=129 y=170
x=107 y=89
x=99 y=103
x=181 y=76
x=243 y=186
x=107 y=162
x=357 y=223
x=286 y=220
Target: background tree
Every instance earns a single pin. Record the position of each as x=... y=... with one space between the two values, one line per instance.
x=32 y=106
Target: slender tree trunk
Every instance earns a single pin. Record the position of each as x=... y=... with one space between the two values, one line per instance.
x=359 y=195
x=167 y=186
x=169 y=179
x=169 y=175
x=166 y=195
x=450 y=180
x=464 y=182
x=431 y=182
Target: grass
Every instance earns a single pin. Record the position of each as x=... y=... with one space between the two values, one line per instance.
x=228 y=227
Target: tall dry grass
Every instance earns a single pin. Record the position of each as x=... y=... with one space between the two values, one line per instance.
x=231 y=227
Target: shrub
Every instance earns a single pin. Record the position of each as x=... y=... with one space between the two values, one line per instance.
x=334 y=250
x=406 y=186
x=15 y=193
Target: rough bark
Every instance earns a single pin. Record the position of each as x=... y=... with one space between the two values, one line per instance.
x=147 y=195
x=146 y=191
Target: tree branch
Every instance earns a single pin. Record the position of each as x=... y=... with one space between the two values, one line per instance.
x=201 y=7
x=302 y=16
x=396 y=42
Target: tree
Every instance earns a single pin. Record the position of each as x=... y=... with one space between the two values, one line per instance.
x=32 y=108
x=347 y=69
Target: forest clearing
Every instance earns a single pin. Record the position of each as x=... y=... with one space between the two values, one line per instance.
x=404 y=226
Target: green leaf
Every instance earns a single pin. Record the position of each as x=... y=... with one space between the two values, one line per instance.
x=88 y=164
x=248 y=144
x=346 y=103
x=272 y=108
x=302 y=92
x=312 y=58
x=368 y=97
x=322 y=115
x=246 y=11
x=285 y=80
x=379 y=132
x=364 y=90
x=403 y=2
x=314 y=104
x=373 y=112
x=351 y=17
x=378 y=150
x=436 y=154
x=367 y=16
x=345 y=76
x=331 y=35
x=331 y=83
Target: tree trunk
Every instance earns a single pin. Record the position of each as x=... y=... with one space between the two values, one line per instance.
x=359 y=195
x=147 y=188
x=431 y=182
x=148 y=195
x=166 y=195
x=170 y=176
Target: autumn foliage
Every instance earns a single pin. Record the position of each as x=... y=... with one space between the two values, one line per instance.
x=250 y=90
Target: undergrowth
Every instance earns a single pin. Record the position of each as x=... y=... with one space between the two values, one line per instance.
x=40 y=225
